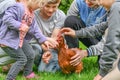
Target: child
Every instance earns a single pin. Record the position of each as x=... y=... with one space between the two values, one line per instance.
x=82 y=14
x=110 y=58
x=10 y=40
x=50 y=19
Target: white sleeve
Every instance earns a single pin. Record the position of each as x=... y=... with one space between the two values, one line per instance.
x=73 y=10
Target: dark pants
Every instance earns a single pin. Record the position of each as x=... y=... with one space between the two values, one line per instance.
x=24 y=60
x=76 y=23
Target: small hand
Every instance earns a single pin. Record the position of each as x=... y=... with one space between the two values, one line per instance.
x=76 y=59
x=24 y=28
x=44 y=47
x=98 y=77
x=46 y=57
x=47 y=45
x=53 y=42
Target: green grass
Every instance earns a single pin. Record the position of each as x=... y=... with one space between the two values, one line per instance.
x=88 y=73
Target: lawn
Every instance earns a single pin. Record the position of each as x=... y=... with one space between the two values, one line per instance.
x=88 y=73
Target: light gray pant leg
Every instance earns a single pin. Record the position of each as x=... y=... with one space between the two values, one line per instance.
x=2 y=53
x=113 y=75
x=38 y=53
x=5 y=58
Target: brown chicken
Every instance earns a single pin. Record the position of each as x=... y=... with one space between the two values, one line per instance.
x=64 y=55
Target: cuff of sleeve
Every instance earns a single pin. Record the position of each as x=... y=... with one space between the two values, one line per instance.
x=17 y=25
x=89 y=52
x=22 y=25
x=42 y=40
x=78 y=33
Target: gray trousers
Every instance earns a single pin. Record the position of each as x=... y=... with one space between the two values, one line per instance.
x=114 y=73
x=24 y=59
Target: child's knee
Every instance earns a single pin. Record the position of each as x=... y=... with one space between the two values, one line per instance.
x=24 y=61
x=31 y=56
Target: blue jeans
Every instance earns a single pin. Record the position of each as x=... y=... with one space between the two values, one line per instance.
x=52 y=66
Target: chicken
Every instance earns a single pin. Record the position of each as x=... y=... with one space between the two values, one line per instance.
x=64 y=55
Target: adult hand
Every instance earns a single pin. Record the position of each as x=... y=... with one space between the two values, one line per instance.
x=68 y=31
x=80 y=54
x=98 y=77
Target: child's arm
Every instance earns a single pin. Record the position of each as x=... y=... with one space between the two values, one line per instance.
x=88 y=32
x=93 y=31
x=36 y=32
x=112 y=46
x=12 y=16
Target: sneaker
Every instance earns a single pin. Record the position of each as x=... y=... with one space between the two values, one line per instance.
x=31 y=76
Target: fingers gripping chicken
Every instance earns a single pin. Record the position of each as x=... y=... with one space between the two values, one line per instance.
x=64 y=57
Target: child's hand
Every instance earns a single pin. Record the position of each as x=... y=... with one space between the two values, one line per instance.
x=24 y=28
x=50 y=43
x=53 y=42
x=46 y=57
x=46 y=45
x=44 y=48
